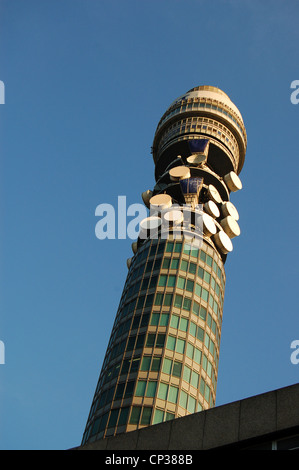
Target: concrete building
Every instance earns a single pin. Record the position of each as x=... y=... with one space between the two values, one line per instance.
x=162 y=358
x=269 y=421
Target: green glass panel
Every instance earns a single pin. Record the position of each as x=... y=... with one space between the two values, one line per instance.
x=140 y=389
x=174 y=322
x=151 y=389
x=180 y=346
x=159 y=416
x=167 y=366
x=170 y=343
x=181 y=283
x=135 y=415
x=146 y=416
x=177 y=369
x=173 y=394
x=162 y=280
x=146 y=363
x=183 y=399
x=178 y=301
x=156 y=364
x=163 y=390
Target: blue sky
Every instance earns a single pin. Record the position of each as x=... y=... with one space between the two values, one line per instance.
x=86 y=82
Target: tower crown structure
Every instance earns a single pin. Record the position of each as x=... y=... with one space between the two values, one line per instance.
x=162 y=358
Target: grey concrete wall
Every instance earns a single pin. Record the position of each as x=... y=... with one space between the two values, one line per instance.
x=253 y=417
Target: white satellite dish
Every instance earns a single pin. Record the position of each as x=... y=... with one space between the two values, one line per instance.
x=134 y=247
x=211 y=209
x=160 y=202
x=223 y=242
x=129 y=262
x=208 y=226
x=179 y=172
x=232 y=181
x=230 y=226
x=174 y=217
x=196 y=159
x=227 y=208
x=214 y=194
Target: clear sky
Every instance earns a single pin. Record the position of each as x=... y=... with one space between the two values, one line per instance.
x=86 y=82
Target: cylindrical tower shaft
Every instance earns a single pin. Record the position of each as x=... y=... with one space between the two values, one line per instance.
x=162 y=358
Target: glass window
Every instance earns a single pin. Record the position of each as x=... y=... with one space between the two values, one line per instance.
x=119 y=391
x=180 y=346
x=156 y=364
x=163 y=390
x=183 y=324
x=150 y=340
x=151 y=389
x=200 y=333
x=171 y=281
x=159 y=416
x=209 y=261
x=146 y=416
x=174 y=263
x=190 y=350
x=204 y=294
x=169 y=416
x=192 y=329
x=123 y=417
x=155 y=318
x=162 y=280
x=191 y=404
x=183 y=399
x=203 y=313
x=184 y=265
x=203 y=256
x=192 y=268
x=170 y=343
x=158 y=300
x=135 y=415
x=197 y=355
x=164 y=319
x=190 y=285
x=135 y=364
x=174 y=322
x=140 y=341
x=200 y=272
x=194 y=379
x=145 y=365
x=177 y=369
x=187 y=304
x=178 y=247
x=140 y=389
x=160 y=340
x=195 y=308
x=113 y=418
x=173 y=394
x=167 y=300
x=178 y=301
x=169 y=247
x=187 y=374
x=166 y=263
x=149 y=300
x=167 y=366
x=129 y=389
x=181 y=283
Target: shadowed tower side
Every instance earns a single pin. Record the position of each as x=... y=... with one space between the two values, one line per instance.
x=162 y=358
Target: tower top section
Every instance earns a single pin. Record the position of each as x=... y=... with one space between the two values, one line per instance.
x=204 y=112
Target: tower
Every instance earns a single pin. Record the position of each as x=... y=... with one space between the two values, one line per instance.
x=162 y=358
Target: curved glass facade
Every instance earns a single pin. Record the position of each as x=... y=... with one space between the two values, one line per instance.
x=162 y=357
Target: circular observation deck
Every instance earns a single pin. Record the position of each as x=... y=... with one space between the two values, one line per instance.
x=202 y=112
